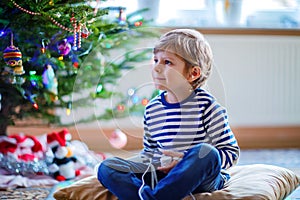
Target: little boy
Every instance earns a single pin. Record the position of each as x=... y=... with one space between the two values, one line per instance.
x=184 y=122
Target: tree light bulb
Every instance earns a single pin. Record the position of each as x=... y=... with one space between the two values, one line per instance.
x=139 y=23
x=99 y=88
x=35 y=106
x=69 y=107
x=75 y=64
x=145 y=101
x=68 y=111
x=120 y=108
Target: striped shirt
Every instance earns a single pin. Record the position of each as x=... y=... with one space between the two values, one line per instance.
x=181 y=126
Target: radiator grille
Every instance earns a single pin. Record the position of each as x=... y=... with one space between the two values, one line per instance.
x=261 y=76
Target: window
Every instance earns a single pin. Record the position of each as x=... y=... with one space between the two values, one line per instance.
x=217 y=13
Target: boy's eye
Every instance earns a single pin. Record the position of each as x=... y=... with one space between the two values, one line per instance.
x=155 y=60
x=167 y=62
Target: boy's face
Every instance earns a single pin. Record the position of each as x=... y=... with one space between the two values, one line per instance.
x=169 y=72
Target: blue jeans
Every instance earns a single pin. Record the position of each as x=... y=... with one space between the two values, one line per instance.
x=198 y=171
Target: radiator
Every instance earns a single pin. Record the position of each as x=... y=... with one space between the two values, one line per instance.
x=260 y=78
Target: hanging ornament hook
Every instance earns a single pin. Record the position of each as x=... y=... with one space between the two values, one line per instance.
x=43 y=49
x=11 y=39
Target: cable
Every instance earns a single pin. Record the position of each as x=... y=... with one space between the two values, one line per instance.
x=154 y=180
x=143 y=181
x=192 y=196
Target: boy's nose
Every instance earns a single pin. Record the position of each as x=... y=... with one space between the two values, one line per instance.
x=157 y=67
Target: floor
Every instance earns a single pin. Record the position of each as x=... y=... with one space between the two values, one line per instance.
x=288 y=158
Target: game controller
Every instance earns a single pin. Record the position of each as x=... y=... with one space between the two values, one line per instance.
x=165 y=160
x=161 y=161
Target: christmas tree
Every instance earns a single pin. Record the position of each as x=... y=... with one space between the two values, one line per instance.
x=44 y=46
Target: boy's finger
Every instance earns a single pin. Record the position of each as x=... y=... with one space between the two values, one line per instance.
x=172 y=153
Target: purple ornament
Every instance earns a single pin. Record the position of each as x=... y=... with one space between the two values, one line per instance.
x=64 y=47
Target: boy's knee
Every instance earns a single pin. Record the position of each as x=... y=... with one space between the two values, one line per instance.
x=110 y=166
x=207 y=152
x=106 y=169
x=103 y=172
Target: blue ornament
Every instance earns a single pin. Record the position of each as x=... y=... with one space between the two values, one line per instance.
x=50 y=81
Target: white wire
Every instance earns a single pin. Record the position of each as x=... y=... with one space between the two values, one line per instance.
x=192 y=196
x=153 y=177
x=143 y=182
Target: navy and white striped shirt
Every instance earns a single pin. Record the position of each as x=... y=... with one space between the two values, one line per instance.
x=180 y=126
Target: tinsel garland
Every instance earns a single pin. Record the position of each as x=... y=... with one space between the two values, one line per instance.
x=16 y=167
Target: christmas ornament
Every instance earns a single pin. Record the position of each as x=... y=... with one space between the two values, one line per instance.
x=118 y=139
x=50 y=81
x=77 y=29
x=85 y=32
x=79 y=35
x=74 y=24
x=64 y=47
x=13 y=58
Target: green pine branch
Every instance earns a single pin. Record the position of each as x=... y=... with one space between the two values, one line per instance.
x=80 y=70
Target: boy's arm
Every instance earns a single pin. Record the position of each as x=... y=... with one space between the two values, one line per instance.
x=150 y=146
x=220 y=134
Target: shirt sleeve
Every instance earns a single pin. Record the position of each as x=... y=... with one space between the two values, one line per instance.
x=149 y=144
x=220 y=135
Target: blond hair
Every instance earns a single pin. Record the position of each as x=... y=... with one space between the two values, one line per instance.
x=192 y=47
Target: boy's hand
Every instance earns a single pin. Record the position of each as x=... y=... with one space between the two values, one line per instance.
x=176 y=156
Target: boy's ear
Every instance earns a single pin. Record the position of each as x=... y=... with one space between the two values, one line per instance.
x=194 y=73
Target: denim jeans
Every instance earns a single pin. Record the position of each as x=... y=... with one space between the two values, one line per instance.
x=198 y=171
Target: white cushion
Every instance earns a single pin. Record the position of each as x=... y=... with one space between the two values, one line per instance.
x=248 y=182
x=257 y=182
